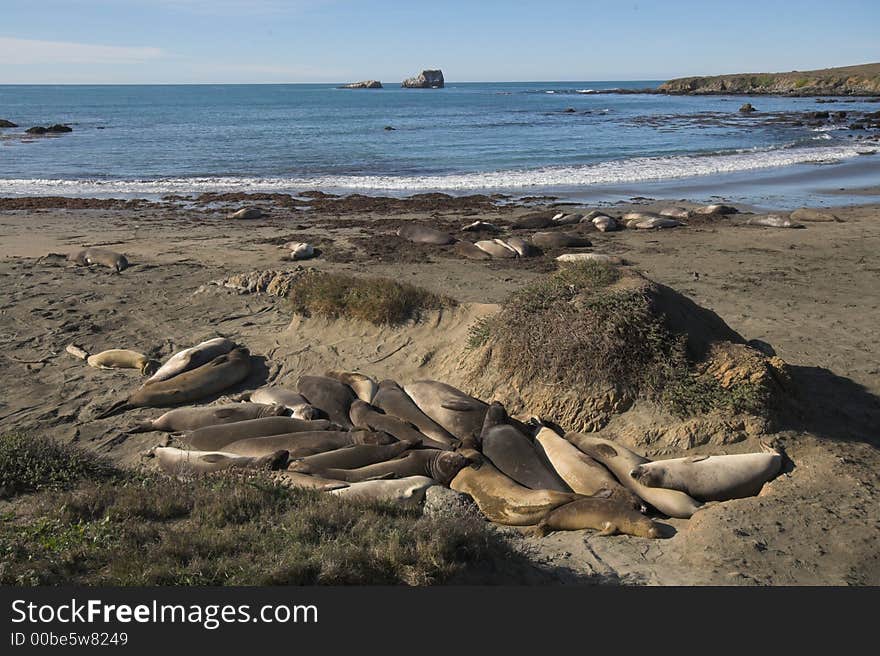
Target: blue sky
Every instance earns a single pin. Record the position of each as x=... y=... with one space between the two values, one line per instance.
x=217 y=41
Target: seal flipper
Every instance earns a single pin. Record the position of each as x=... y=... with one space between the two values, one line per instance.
x=608 y=529
x=461 y=405
x=115 y=409
x=143 y=427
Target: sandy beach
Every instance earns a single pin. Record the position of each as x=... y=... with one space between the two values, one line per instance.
x=811 y=294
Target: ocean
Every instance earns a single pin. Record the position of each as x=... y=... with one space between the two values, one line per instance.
x=515 y=138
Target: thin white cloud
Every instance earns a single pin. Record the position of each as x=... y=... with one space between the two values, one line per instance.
x=19 y=52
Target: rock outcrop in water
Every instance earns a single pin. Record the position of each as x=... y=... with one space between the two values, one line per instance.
x=431 y=79
x=365 y=84
x=7 y=124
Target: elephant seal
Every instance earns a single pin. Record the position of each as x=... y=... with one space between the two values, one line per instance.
x=773 y=221
x=548 y=240
x=304 y=444
x=293 y=401
x=299 y=250
x=675 y=213
x=408 y=491
x=522 y=247
x=366 y=417
x=716 y=209
x=247 y=213
x=442 y=466
x=468 y=250
x=480 y=226
x=217 y=375
x=590 y=257
x=362 y=385
x=567 y=219
x=420 y=234
x=455 y=411
x=534 y=221
x=639 y=216
x=102 y=256
x=621 y=461
x=712 y=478
x=123 y=359
x=329 y=395
x=287 y=478
x=496 y=248
x=608 y=516
x=178 y=462
x=580 y=472
x=657 y=222
x=188 y=419
x=515 y=455
x=349 y=457
x=503 y=500
x=192 y=357
x=395 y=402
x=212 y=438
x=605 y=223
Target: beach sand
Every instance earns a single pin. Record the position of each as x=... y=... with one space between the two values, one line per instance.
x=810 y=293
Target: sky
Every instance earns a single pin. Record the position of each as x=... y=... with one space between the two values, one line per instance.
x=307 y=41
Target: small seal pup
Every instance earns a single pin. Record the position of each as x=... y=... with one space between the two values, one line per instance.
x=582 y=474
x=621 y=461
x=217 y=375
x=192 y=357
x=366 y=417
x=349 y=457
x=408 y=491
x=395 y=402
x=362 y=385
x=515 y=455
x=455 y=411
x=608 y=516
x=424 y=235
x=329 y=395
x=187 y=419
x=102 y=256
x=503 y=500
x=306 y=444
x=713 y=478
x=179 y=462
x=442 y=466
x=123 y=359
x=213 y=438
x=293 y=401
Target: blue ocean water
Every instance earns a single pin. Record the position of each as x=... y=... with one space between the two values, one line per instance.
x=513 y=137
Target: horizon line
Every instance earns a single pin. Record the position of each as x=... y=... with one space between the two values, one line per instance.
x=180 y=84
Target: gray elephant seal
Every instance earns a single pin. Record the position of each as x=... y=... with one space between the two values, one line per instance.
x=621 y=461
x=522 y=247
x=716 y=209
x=287 y=478
x=178 y=462
x=496 y=248
x=468 y=250
x=293 y=401
x=424 y=235
x=539 y=220
x=604 y=223
x=219 y=374
x=247 y=213
x=590 y=257
x=514 y=455
x=409 y=491
x=349 y=457
x=394 y=401
x=213 y=438
x=362 y=385
x=712 y=478
x=365 y=416
x=675 y=213
x=192 y=357
x=102 y=256
x=306 y=444
x=442 y=466
x=187 y=419
x=123 y=359
x=580 y=472
x=548 y=240
x=773 y=221
x=567 y=219
x=503 y=500
x=608 y=516
x=656 y=223
x=455 y=411
x=328 y=395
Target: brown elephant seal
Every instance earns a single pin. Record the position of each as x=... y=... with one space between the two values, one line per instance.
x=580 y=472
x=468 y=250
x=496 y=248
x=515 y=455
x=548 y=240
x=712 y=478
x=442 y=466
x=188 y=419
x=123 y=359
x=608 y=516
x=102 y=256
x=503 y=500
x=362 y=385
x=395 y=402
x=621 y=461
x=522 y=247
x=638 y=216
x=534 y=221
x=192 y=357
x=366 y=417
x=424 y=235
x=480 y=226
x=306 y=444
x=293 y=401
x=461 y=415
x=287 y=478
x=214 y=438
x=567 y=219
x=330 y=396
x=247 y=213
x=657 y=223
x=408 y=491
x=716 y=209
x=217 y=375
x=675 y=213
x=605 y=223
x=349 y=457
x=298 y=250
x=179 y=462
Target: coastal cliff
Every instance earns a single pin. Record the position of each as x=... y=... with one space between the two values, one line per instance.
x=863 y=80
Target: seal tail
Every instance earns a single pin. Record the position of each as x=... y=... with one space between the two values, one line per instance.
x=115 y=409
x=143 y=427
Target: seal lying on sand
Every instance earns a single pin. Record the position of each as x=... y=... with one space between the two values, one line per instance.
x=192 y=357
x=409 y=491
x=365 y=416
x=247 y=213
x=306 y=444
x=362 y=385
x=590 y=257
x=216 y=437
x=773 y=221
x=455 y=411
x=496 y=248
x=608 y=516
x=188 y=419
x=394 y=401
x=102 y=256
x=470 y=251
x=657 y=222
x=582 y=474
x=712 y=478
x=219 y=374
x=513 y=454
x=293 y=401
x=178 y=462
x=123 y=359
x=329 y=395
x=442 y=466
x=621 y=461
x=559 y=240
x=287 y=478
x=424 y=235
x=349 y=457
